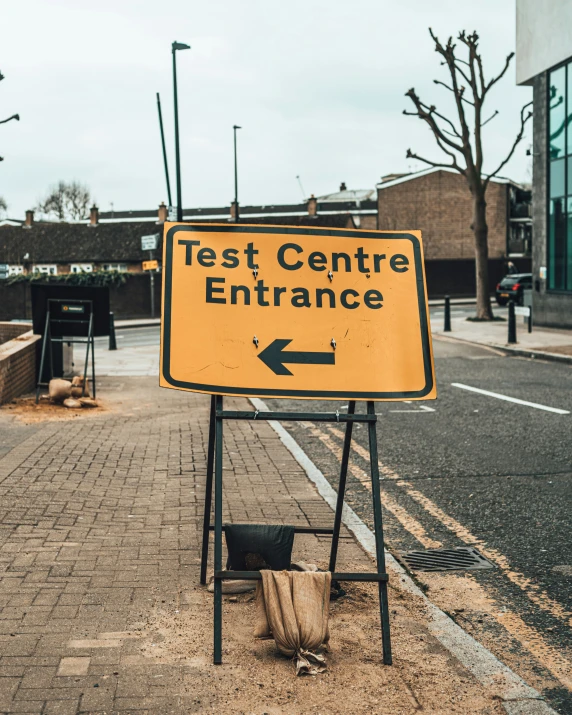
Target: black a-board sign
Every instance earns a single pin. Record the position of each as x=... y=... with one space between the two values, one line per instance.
x=70 y=306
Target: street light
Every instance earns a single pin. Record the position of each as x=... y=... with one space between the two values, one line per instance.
x=236 y=216
x=177 y=46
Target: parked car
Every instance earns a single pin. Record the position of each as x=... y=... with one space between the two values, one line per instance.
x=513 y=287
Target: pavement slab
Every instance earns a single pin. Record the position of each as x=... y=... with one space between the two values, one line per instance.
x=495 y=334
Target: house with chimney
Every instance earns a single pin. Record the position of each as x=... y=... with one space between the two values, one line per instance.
x=111 y=240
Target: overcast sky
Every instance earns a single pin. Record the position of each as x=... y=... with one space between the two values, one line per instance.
x=316 y=85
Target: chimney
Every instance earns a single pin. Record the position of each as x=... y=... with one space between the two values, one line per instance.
x=343 y=186
x=232 y=211
x=93 y=216
x=312 y=206
x=29 y=219
x=162 y=212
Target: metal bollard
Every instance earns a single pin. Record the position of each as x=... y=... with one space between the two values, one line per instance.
x=112 y=340
x=511 y=322
x=447 y=326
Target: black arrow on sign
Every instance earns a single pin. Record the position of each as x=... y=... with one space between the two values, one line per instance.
x=274 y=356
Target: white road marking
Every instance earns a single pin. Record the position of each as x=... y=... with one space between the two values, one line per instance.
x=557 y=410
x=416 y=411
x=419 y=408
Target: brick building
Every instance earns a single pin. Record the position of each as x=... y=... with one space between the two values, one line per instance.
x=437 y=202
x=54 y=248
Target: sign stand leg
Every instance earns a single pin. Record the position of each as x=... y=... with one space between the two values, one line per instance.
x=378 y=529
x=218 y=533
x=89 y=336
x=341 y=488
x=42 y=360
x=208 y=494
x=92 y=338
x=215 y=464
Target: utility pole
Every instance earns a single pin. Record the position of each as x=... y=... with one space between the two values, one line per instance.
x=164 y=151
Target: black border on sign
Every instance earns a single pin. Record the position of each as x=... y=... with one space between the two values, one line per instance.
x=252 y=392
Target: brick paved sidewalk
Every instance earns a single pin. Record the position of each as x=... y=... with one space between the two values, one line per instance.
x=100 y=608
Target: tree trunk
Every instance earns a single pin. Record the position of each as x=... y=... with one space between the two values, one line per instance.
x=481 y=231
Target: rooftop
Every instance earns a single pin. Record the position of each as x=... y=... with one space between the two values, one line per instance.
x=394 y=179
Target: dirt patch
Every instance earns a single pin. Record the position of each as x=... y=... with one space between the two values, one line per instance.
x=475 y=609
x=255 y=678
x=25 y=409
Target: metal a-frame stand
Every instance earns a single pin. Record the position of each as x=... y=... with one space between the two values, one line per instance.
x=59 y=327
x=214 y=465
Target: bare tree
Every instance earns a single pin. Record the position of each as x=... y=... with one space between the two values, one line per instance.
x=66 y=201
x=3 y=205
x=77 y=200
x=55 y=202
x=9 y=119
x=461 y=140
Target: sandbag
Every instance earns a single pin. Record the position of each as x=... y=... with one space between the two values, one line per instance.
x=59 y=389
x=72 y=403
x=233 y=585
x=77 y=387
x=87 y=402
x=293 y=607
x=255 y=546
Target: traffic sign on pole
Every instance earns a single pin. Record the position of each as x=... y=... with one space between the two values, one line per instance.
x=295 y=312
x=150 y=243
x=150 y=265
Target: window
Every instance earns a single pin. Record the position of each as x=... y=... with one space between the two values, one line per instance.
x=81 y=268
x=560 y=179
x=47 y=269
x=15 y=270
x=119 y=267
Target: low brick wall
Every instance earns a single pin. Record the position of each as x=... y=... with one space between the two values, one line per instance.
x=9 y=331
x=17 y=362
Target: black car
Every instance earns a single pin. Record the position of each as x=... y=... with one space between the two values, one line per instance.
x=513 y=287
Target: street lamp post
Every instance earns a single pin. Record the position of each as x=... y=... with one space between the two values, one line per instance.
x=177 y=46
x=236 y=214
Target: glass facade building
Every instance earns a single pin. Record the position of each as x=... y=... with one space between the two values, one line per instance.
x=544 y=63
x=559 y=243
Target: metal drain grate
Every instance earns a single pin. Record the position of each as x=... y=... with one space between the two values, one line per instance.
x=463 y=557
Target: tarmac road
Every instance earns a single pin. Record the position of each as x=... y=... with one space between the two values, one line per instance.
x=133 y=337
x=474 y=469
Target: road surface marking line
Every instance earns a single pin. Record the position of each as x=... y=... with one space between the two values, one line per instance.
x=420 y=410
x=417 y=411
x=408 y=522
x=478 y=660
x=547 y=656
x=510 y=399
x=530 y=639
x=530 y=589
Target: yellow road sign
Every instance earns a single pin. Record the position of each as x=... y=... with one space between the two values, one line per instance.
x=295 y=312
x=150 y=265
